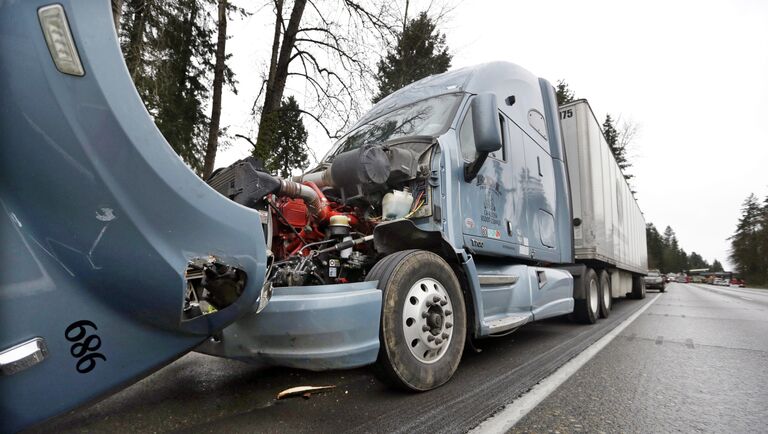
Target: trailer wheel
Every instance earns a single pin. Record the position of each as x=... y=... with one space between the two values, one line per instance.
x=606 y=302
x=423 y=320
x=638 y=287
x=587 y=310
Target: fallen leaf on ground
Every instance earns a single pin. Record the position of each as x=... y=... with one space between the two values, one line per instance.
x=304 y=391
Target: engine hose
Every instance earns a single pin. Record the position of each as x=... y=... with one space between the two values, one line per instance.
x=309 y=192
x=321 y=179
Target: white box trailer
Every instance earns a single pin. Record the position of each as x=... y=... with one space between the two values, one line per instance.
x=609 y=227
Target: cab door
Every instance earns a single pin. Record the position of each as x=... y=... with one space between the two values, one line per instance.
x=492 y=203
x=492 y=207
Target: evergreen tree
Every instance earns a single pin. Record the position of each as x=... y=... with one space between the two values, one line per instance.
x=671 y=254
x=289 y=137
x=139 y=41
x=695 y=261
x=563 y=93
x=420 y=52
x=183 y=78
x=666 y=255
x=681 y=260
x=669 y=234
x=762 y=240
x=748 y=252
x=169 y=47
x=655 y=248
x=716 y=266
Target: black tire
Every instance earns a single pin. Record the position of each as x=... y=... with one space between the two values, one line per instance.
x=587 y=310
x=638 y=287
x=397 y=362
x=663 y=288
x=606 y=302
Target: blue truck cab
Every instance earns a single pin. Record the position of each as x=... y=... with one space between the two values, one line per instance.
x=482 y=148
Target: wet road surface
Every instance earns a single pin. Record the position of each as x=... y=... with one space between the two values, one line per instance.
x=695 y=361
x=205 y=394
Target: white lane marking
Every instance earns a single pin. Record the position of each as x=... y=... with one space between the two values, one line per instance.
x=730 y=291
x=512 y=413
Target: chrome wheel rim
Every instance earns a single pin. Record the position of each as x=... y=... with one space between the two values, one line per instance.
x=593 y=295
x=427 y=320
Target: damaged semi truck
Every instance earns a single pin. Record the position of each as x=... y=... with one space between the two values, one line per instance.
x=460 y=207
x=464 y=205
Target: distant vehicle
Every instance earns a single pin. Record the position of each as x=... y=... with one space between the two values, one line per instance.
x=682 y=278
x=721 y=282
x=655 y=280
x=737 y=282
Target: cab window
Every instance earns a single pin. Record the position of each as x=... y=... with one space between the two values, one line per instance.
x=467 y=138
x=501 y=154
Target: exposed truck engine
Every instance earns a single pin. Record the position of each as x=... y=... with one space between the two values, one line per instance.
x=319 y=226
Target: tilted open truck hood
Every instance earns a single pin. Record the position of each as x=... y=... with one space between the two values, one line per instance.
x=98 y=220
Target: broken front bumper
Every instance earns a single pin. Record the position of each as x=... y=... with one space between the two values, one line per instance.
x=308 y=327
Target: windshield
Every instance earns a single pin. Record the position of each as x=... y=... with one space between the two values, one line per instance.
x=429 y=117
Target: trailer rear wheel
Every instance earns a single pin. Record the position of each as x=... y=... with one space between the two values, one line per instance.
x=587 y=310
x=423 y=320
x=638 y=287
x=606 y=301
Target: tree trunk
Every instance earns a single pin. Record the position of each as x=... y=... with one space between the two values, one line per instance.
x=218 y=82
x=117 y=11
x=275 y=42
x=135 y=46
x=274 y=92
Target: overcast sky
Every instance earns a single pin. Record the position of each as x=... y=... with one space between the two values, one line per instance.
x=692 y=74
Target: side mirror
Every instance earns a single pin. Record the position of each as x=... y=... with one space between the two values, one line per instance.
x=487 y=132
x=485 y=123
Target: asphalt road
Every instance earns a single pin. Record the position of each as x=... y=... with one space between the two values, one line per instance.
x=694 y=360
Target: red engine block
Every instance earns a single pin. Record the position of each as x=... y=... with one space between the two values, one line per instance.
x=295 y=212
x=295 y=218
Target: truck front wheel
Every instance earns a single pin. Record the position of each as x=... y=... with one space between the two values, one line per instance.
x=587 y=310
x=423 y=320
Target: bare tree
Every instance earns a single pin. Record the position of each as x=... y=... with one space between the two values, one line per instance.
x=627 y=131
x=331 y=57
